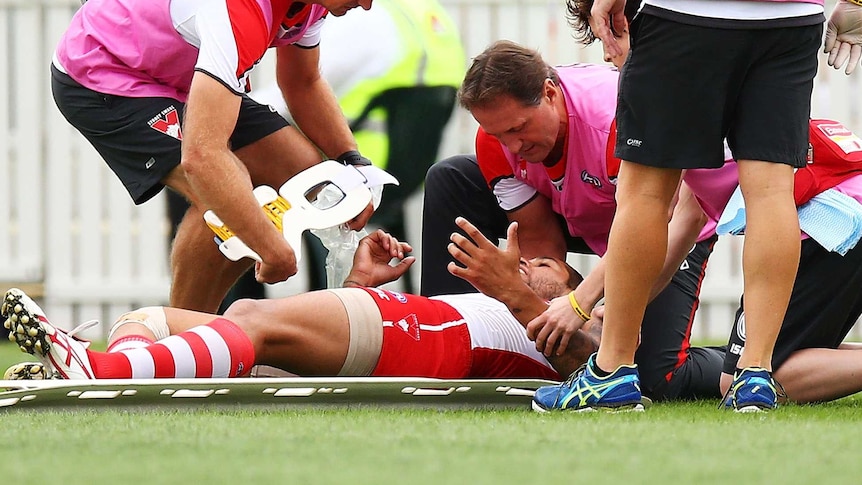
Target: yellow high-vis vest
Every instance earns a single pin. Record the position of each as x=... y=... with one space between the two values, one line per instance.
x=431 y=55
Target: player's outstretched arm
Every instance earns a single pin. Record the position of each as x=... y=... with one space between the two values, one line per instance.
x=494 y=271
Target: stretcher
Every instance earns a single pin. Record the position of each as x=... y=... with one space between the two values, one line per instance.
x=284 y=392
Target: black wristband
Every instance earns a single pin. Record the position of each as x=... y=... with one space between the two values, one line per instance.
x=354 y=158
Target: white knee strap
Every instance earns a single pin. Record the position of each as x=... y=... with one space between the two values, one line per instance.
x=152 y=317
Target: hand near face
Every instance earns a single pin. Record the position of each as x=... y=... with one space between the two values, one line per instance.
x=492 y=270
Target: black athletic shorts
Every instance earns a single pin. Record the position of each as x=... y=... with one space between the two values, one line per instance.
x=825 y=303
x=669 y=367
x=685 y=88
x=140 y=138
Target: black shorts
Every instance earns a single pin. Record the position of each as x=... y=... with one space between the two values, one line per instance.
x=140 y=138
x=669 y=367
x=686 y=88
x=825 y=303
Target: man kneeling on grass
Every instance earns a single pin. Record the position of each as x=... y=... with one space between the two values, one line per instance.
x=359 y=330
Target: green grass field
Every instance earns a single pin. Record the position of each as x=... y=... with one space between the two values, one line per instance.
x=670 y=443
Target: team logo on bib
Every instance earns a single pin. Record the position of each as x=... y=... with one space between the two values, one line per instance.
x=591 y=179
x=167 y=122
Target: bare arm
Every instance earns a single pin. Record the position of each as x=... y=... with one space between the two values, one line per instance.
x=315 y=108
x=559 y=323
x=494 y=271
x=219 y=180
x=684 y=228
x=311 y=101
x=582 y=344
x=538 y=232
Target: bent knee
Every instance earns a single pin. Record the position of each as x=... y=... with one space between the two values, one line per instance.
x=446 y=168
x=246 y=313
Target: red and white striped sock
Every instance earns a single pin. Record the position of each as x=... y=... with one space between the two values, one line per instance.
x=217 y=349
x=129 y=342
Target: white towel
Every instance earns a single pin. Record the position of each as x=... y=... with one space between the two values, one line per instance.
x=831 y=218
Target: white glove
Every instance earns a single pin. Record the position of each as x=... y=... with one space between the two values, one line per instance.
x=844 y=36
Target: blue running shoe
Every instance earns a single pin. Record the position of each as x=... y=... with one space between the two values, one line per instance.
x=753 y=390
x=585 y=391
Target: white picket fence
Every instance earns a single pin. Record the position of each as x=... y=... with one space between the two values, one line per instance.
x=71 y=234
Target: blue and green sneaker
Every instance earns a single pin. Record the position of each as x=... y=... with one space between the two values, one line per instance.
x=585 y=391
x=753 y=390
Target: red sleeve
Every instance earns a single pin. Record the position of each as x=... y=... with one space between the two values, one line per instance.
x=250 y=31
x=492 y=160
x=297 y=13
x=612 y=162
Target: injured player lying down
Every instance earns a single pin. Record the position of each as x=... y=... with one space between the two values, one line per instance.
x=358 y=330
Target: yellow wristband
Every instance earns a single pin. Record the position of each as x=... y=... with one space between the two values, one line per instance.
x=577 y=308
x=856 y=2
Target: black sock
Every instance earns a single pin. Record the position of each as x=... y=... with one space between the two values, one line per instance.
x=598 y=371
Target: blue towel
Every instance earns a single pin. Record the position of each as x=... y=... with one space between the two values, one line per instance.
x=831 y=218
x=732 y=220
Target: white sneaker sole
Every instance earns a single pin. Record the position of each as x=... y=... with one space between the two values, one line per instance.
x=637 y=408
x=751 y=409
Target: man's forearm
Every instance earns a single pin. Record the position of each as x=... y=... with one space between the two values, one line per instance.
x=318 y=115
x=522 y=302
x=592 y=289
x=683 y=230
x=214 y=173
x=220 y=185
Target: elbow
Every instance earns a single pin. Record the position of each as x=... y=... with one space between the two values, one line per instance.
x=194 y=159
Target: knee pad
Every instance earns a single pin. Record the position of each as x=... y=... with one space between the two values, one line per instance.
x=152 y=317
